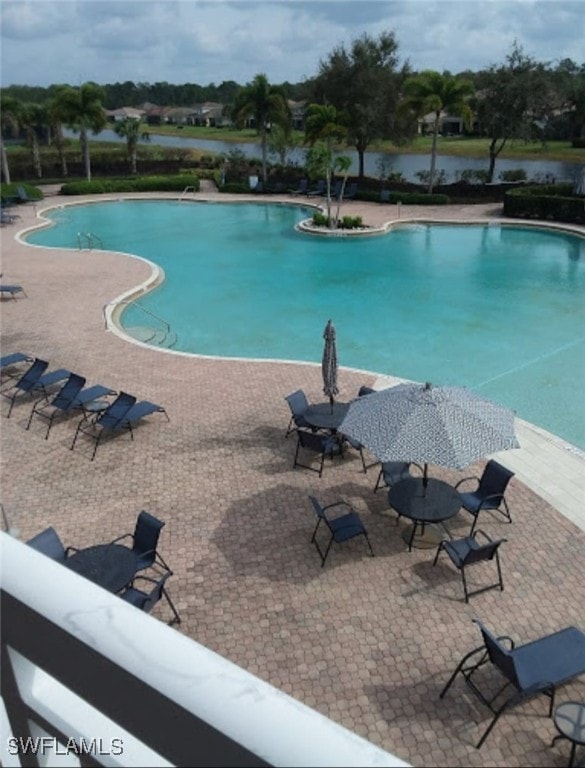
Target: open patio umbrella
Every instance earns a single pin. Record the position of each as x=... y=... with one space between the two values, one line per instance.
x=329 y=363
x=447 y=426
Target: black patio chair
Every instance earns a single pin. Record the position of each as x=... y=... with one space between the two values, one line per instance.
x=364 y=390
x=108 y=421
x=342 y=528
x=298 y=404
x=318 y=445
x=145 y=601
x=489 y=493
x=145 y=541
x=391 y=472
x=469 y=551
x=49 y=543
x=540 y=666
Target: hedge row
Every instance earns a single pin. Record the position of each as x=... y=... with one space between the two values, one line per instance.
x=408 y=198
x=549 y=203
x=141 y=184
x=8 y=191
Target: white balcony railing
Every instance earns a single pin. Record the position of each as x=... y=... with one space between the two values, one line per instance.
x=90 y=680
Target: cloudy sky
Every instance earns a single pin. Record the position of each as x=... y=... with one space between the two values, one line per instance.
x=179 y=41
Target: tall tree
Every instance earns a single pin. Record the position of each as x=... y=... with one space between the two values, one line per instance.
x=363 y=81
x=513 y=101
x=9 y=110
x=83 y=111
x=437 y=93
x=266 y=105
x=33 y=118
x=131 y=130
x=57 y=114
x=325 y=126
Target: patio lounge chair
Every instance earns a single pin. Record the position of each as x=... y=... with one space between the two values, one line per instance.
x=35 y=381
x=320 y=189
x=70 y=398
x=12 y=290
x=342 y=528
x=302 y=189
x=108 y=420
x=145 y=541
x=8 y=218
x=351 y=191
x=145 y=601
x=10 y=362
x=536 y=667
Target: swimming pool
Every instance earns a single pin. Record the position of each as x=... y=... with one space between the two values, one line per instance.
x=497 y=309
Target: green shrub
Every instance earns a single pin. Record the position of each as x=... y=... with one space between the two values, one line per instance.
x=10 y=190
x=515 y=174
x=235 y=187
x=351 y=222
x=550 y=202
x=473 y=176
x=320 y=219
x=408 y=198
x=138 y=184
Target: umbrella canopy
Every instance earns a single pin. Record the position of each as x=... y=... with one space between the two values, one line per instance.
x=447 y=426
x=329 y=363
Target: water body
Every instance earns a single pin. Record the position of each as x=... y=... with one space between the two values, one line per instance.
x=497 y=309
x=408 y=165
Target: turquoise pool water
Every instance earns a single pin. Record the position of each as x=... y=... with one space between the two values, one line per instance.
x=497 y=309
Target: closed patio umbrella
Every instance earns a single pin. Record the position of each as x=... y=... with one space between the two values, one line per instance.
x=579 y=188
x=329 y=363
x=447 y=426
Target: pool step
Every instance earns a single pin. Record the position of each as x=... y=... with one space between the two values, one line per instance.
x=154 y=336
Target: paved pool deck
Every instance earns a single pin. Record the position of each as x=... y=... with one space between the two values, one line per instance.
x=367 y=641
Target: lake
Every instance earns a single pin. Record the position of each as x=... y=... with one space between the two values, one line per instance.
x=406 y=164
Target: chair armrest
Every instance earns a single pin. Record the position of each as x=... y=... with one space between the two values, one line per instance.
x=486 y=499
x=465 y=479
x=125 y=536
x=340 y=504
x=483 y=533
x=418 y=466
x=70 y=549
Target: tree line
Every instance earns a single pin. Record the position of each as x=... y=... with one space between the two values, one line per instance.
x=364 y=91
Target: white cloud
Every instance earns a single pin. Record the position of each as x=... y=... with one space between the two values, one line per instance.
x=50 y=41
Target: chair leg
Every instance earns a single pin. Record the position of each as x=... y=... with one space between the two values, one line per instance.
x=378 y=480
x=177 y=618
x=439 y=549
x=324 y=557
x=369 y=544
x=465 y=592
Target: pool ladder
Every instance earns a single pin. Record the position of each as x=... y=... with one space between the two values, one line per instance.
x=186 y=191
x=90 y=240
x=163 y=336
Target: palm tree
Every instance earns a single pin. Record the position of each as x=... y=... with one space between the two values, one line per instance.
x=83 y=111
x=57 y=112
x=33 y=117
x=324 y=123
x=434 y=92
x=130 y=129
x=9 y=111
x=267 y=105
x=341 y=164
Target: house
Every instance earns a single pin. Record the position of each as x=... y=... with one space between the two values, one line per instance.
x=209 y=114
x=124 y=113
x=297 y=109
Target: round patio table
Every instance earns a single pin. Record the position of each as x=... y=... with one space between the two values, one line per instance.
x=426 y=506
x=111 y=566
x=325 y=415
x=569 y=720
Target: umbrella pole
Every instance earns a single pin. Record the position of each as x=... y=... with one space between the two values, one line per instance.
x=425 y=476
x=331 y=401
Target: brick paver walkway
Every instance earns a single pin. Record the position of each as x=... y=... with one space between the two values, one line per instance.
x=367 y=641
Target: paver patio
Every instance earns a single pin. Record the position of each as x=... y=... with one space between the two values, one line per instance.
x=367 y=641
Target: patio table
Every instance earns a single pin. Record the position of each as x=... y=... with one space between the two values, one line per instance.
x=111 y=566
x=429 y=506
x=325 y=415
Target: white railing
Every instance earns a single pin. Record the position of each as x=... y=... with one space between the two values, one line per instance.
x=85 y=672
